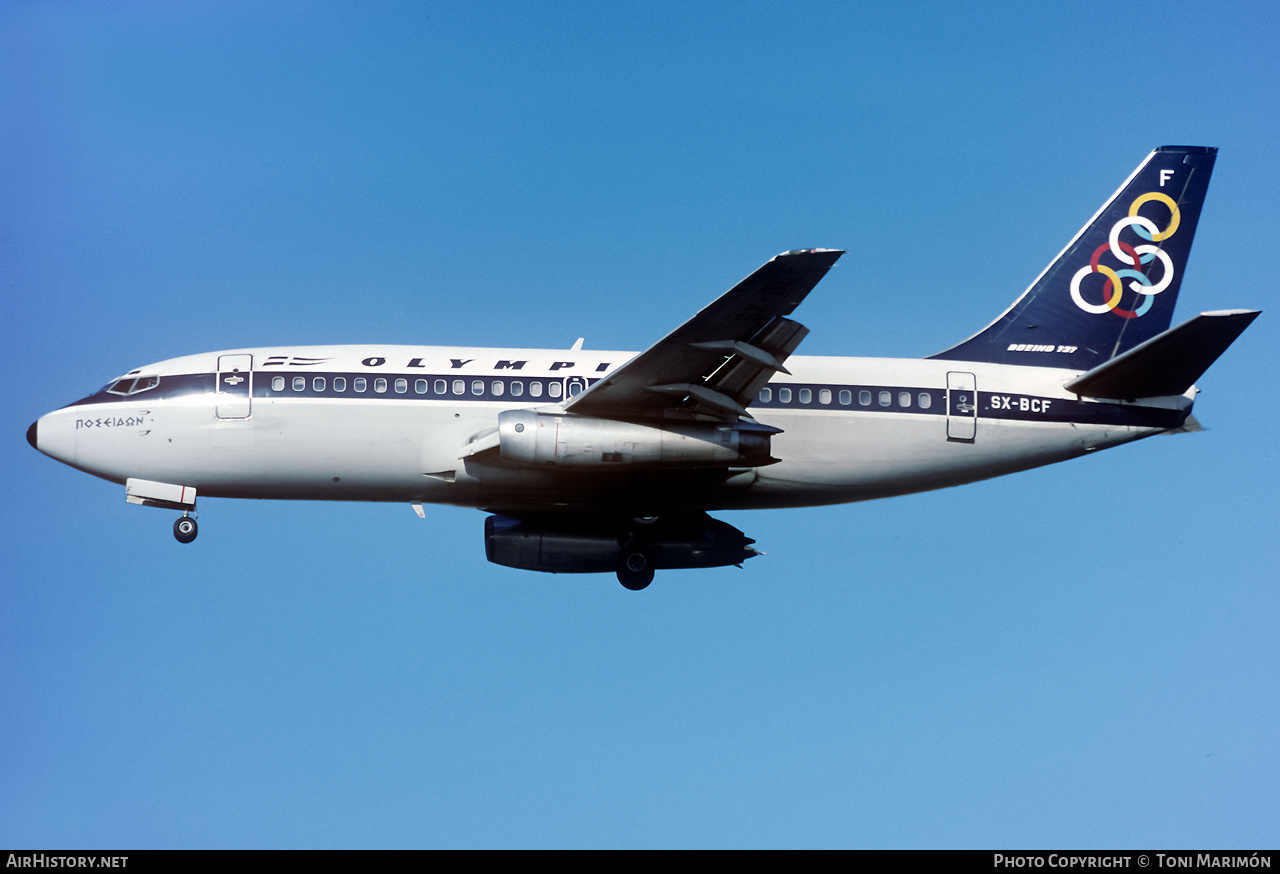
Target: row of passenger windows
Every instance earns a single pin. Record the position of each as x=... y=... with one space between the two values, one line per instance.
x=845 y=396
x=517 y=388
x=441 y=387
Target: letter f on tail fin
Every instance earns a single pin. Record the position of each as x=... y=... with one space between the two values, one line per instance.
x=1115 y=284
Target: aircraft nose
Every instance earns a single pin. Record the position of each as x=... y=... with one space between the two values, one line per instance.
x=54 y=435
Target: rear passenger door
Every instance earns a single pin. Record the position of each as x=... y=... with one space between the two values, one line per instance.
x=962 y=407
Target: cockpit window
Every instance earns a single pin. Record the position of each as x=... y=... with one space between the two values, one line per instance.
x=131 y=385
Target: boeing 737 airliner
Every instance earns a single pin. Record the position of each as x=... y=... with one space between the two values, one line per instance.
x=609 y=461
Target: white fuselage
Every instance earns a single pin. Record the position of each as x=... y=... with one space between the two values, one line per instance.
x=394 y=423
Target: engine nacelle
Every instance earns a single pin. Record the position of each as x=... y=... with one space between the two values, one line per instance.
x=537 y=439
x=587 y=545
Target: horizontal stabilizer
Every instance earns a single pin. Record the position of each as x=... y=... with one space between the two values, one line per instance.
x=1168 y=363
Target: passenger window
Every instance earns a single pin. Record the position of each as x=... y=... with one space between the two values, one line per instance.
x=784 y=395
x=299 y=383
x=339 y=383
x=441 y=386
x=824 y=396
x=553 y=389
x=766 y=395
x=886 y=398
x=535 y=389
x=904 y=399
x=318 y=383
x=926 y=400
x=402 y=385
x=477 y=386
x=864 y=398
x=277 y=383
x=846 y=396
x=420 y=386
x=459 y=386
x=380 y=384
x=360 y=384
x=497 y=388
x=517 y=388
x=806 y=396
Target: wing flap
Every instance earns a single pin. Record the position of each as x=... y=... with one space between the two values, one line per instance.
x=743 y=376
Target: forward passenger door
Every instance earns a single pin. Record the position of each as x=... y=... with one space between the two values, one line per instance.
x=234 y=397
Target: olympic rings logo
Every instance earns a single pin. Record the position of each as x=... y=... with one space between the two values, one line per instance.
x=1130 y=255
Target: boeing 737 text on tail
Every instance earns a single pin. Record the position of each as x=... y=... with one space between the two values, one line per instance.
x=610 y=461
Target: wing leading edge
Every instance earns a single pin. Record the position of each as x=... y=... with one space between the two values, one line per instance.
x=712 y=366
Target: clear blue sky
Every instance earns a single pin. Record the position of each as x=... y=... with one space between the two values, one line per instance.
x=1079 y=656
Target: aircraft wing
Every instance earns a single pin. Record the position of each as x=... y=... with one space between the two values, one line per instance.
x=713 y=365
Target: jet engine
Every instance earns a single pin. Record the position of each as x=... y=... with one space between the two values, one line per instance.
x=526 y=437
x=633 y=548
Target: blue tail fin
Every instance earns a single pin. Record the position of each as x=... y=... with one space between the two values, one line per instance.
x=1115 y=284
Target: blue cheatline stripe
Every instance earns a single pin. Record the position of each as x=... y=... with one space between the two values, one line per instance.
x=921 y=401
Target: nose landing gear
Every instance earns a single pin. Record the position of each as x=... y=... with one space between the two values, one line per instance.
x=185 y=529
x=167 y=496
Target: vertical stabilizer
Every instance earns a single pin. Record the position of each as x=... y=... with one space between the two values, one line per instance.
x=1115 y=284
